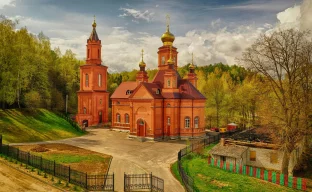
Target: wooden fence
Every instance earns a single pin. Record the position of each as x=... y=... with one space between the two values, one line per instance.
x=270 y=176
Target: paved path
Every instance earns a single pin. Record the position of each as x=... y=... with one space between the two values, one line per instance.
x=132 y=156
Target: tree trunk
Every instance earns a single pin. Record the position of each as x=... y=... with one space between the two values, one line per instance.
x=285 y=162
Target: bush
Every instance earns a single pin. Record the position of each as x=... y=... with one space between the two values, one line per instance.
x=32 y=99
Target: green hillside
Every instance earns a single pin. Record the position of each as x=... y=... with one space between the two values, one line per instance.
x=36 y=125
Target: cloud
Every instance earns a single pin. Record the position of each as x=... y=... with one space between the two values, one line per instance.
x=4 y=3
x=306 y=15
x=298 y=17
x=215 y=23
x=210 y=41
x=136 y=14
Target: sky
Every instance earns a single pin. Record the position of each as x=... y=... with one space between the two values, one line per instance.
x=214 y=30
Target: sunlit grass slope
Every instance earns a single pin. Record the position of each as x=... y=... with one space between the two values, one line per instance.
x=33 y=125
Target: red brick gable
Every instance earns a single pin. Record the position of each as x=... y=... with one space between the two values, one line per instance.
x=121 y=91
x=151 y=88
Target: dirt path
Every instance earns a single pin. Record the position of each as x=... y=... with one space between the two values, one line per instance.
x=14 y=180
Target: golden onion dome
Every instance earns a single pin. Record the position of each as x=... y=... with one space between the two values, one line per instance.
x=167 y=38
x=94 y=23
x=192 y=66
x=142 y=64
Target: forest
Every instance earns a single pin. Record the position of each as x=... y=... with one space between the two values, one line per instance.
x=32 y=75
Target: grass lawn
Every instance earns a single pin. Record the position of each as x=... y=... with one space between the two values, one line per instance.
x=29 y=126
x=79 y=159
x=208 y=178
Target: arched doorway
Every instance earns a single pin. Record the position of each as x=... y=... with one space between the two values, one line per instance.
x=100 y=116
x=141 y=128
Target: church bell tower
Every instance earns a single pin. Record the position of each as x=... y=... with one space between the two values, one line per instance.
x=93 y=95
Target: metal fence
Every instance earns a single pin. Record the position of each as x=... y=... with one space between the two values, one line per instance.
x=101 y=182
x=186 y=179
x=143 y=182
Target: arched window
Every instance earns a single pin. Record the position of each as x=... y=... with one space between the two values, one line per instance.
x=168 y=105
x=88 y=53
x=163 y=60
x=100 y=80
x=196 y=122
x=98 y=53
x=100 y=101
x=128 y=92
x=118 y=118
x=168 y=121
x=87 y=80
x=84 y=110
x=168 y=83
x=126 y=118
x=141 y=122
x=157 y=91
x=187 y=122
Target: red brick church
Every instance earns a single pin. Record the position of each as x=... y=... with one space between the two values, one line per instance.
x=166 y=107
x=93 y=96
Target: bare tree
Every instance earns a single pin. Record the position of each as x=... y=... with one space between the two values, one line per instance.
x=283 y=58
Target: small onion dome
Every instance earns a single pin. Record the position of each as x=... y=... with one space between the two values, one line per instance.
x=94 y=23
x=192 y=66
x=142 y=64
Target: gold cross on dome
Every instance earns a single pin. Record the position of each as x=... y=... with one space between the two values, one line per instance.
x=192 y=57
x=168 y=19
x=142 y=54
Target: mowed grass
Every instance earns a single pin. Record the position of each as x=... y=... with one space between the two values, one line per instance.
x=208 y=178
x=18 y=126
x=77 y=158
x=70 y=158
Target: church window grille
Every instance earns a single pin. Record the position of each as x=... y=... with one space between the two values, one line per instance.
x=87 y=80
x=168 y=83
x=84 y=110
x=126 y=118
x=100 y=80
x=187 y=122
x=196 y=122
x=118 y=118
